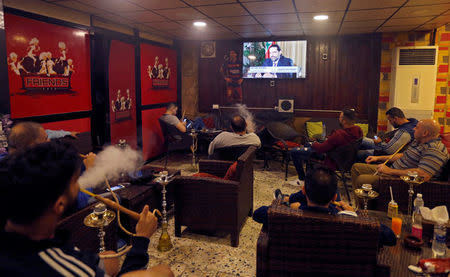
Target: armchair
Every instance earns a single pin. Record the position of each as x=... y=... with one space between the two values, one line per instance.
x=211 y=204
x=300 y=243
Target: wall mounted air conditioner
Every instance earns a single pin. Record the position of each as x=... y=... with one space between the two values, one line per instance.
x=413 y=80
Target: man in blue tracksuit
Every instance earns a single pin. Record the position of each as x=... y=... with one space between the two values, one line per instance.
x=403 y=134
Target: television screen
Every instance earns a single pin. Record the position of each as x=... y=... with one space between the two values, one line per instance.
x=274 y=59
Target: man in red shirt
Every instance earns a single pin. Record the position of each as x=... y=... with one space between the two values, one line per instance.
x=348 y=134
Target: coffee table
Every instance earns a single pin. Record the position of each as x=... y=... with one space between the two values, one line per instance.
x=398 y=257
x=135 y=197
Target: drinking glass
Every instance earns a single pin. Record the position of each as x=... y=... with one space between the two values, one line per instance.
x=397 y=225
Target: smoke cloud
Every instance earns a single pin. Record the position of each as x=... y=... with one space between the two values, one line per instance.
x=110 y=163
x=248 y=116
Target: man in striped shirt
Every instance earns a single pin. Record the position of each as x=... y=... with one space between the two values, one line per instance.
x=39 y=184
x=404 y=134
x=426 y=155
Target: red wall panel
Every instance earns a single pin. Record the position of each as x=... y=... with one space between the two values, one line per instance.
x=48 y=67
x=78 y=125
x=157 y=85
x=152 y=137
x=122 y=93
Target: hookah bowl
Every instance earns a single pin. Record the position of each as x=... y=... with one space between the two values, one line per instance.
x=165 y=243
x=366 y=193
x=100 y=218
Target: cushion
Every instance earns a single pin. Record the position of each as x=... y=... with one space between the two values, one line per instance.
x=290 y=144
x=364 y=127
x=209 y=122
x=203 y=174
x=231 y=172
x=314 y=129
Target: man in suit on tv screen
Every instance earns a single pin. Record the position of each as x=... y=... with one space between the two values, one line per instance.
x=276 y=59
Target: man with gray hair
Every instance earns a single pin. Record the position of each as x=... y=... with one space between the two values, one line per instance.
x=426 y=155
x=24 y=135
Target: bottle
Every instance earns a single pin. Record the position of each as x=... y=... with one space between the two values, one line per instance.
x=392 y=209
x=416 y=229
x=418 y=202
x=438 y=245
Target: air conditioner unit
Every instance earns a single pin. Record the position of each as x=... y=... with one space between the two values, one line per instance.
x=413 y=80
x=285 y=105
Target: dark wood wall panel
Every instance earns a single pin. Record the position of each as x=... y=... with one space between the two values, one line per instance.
x=349 y=78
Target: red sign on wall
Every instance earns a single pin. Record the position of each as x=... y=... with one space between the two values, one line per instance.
x=152 y=137
x=48 y=67
x=158 y=74
x=122 y=93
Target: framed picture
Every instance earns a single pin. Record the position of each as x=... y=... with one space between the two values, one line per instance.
x=208 y=49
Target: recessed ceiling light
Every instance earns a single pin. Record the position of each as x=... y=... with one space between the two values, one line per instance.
x=321 y=17
x=199 y=24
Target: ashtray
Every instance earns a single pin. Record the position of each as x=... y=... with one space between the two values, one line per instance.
x=413 y=242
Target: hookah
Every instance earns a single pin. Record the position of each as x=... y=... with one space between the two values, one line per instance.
x=123 y=176
x=194 y=145
x=164 y=243
x=100 y=218
x=366 y=193
x=412 y=178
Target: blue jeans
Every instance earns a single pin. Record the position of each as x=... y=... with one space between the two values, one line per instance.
x=366 y=149
x=298 y=156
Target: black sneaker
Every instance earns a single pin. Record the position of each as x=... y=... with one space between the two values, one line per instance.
x=277 y=194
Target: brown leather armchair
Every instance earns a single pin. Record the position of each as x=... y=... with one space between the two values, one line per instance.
x=300 y=243
x=210 y=204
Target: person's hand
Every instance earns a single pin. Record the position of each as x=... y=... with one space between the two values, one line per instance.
x=377 y=140
x=74 y=134
x=344 y=206
x=240 y=81
x=184 y=122
x=382 y=168
x=112 y=265
x=228 y=80
x=371 y=159
x=147 y=223
x=295 y=205
x=258 y=75
x=89 y=160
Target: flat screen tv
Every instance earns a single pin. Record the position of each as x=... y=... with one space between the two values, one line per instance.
x=274 y=59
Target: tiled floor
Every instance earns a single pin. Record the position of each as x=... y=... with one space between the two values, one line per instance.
x=202 y=255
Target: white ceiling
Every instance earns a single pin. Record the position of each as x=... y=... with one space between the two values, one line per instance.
x=234 y=19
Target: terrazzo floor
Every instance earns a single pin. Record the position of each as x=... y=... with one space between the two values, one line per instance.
x=201 y=255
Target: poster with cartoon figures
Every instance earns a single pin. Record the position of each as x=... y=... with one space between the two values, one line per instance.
x=158 y=74
x=122 y=93
x=48 y=67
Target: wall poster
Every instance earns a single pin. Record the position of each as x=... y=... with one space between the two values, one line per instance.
x=158 y=74
x=122 y=93
x=48 y=67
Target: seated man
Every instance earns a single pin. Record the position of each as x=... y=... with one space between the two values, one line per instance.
x=404 y=134
x=348 y=134
x=239 y=137
x=171 y=119
x=26 y=134
x=317 y=195
x=426 y=155
x=42 y=184
x=176 y=128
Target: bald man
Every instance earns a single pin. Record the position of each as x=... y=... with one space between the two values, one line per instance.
x=24 y=135
x=426 y=155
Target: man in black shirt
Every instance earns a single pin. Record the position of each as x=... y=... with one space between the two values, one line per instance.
x=39 y=184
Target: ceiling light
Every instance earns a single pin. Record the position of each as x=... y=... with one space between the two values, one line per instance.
x=321 y=17
x=199 y=24
x=252 y=57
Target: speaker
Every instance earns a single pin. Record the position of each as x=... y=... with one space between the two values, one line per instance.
x=285 y=105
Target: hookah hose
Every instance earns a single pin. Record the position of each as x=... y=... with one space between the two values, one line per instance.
x=391 y=156
x=118 y=207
